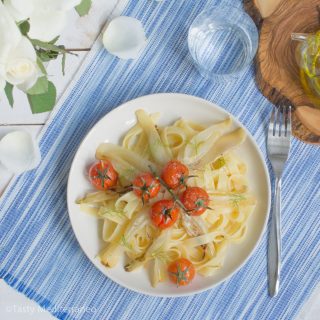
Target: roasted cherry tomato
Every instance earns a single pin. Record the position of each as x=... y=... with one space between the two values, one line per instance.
x=175 y=174
x=181 y=272
x=164 y=213
x=146 y=186
x=102 y=175
x=195 y=200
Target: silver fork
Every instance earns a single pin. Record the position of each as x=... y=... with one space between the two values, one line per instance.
x=278 y=146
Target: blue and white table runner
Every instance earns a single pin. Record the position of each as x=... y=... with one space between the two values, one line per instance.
x=39 y=254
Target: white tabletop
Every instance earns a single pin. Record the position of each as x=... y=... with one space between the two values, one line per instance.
x=80 y=33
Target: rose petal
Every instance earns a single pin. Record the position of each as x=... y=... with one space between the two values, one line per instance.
x=45 y=24
x=68 y=5
x=10 y=35
x=19 y=152
x=19 y=9
x=30 y=82
x=125 y=37
x=63 y=5
x=24 y=49
x=2 y=83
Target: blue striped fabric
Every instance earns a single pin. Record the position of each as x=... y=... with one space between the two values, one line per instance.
x=39 y=254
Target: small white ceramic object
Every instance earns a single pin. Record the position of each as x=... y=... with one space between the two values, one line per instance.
x=19 y=152
x=124 y=37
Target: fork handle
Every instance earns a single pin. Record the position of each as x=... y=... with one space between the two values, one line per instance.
x=274 y=250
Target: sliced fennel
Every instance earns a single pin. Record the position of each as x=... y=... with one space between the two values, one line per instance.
x=159 y=151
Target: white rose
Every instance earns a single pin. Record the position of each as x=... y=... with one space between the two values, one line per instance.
x=47 y=18
x=18 y=59
x=21 y=66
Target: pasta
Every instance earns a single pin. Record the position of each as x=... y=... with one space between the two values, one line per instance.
x=213 y=166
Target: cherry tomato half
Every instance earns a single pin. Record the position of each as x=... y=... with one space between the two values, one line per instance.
x=102 y=175
x=195 y=200
x=181 y=272
x=175 y=174
x=164 y=213
x=146 y=186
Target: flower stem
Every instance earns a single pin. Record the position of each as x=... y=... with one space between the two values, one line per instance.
x=77 y=49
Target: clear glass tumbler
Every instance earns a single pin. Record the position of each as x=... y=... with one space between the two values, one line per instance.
x=222 y=41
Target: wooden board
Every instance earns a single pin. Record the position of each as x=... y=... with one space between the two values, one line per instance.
x=277 y=70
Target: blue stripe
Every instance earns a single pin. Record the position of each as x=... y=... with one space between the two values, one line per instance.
x=39 y=254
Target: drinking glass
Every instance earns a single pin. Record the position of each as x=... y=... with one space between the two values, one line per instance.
x=222 y=41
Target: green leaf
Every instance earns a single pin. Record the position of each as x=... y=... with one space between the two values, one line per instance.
x=84 y=7
x=24 y=27
x=63 y=63
x=45 y=101
x=8 y=90
x=47 y=55
x=53 y=41
x=41 y=66
x=48 y=46
x=41 y=86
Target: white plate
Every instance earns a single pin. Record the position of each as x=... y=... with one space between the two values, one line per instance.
x=111 y=128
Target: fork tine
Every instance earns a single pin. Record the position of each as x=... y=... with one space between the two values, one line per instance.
x=277 y=123
x=289 y=121
x=271 y=123
x=281 y=120
x=286 y=116
x=283 y=124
